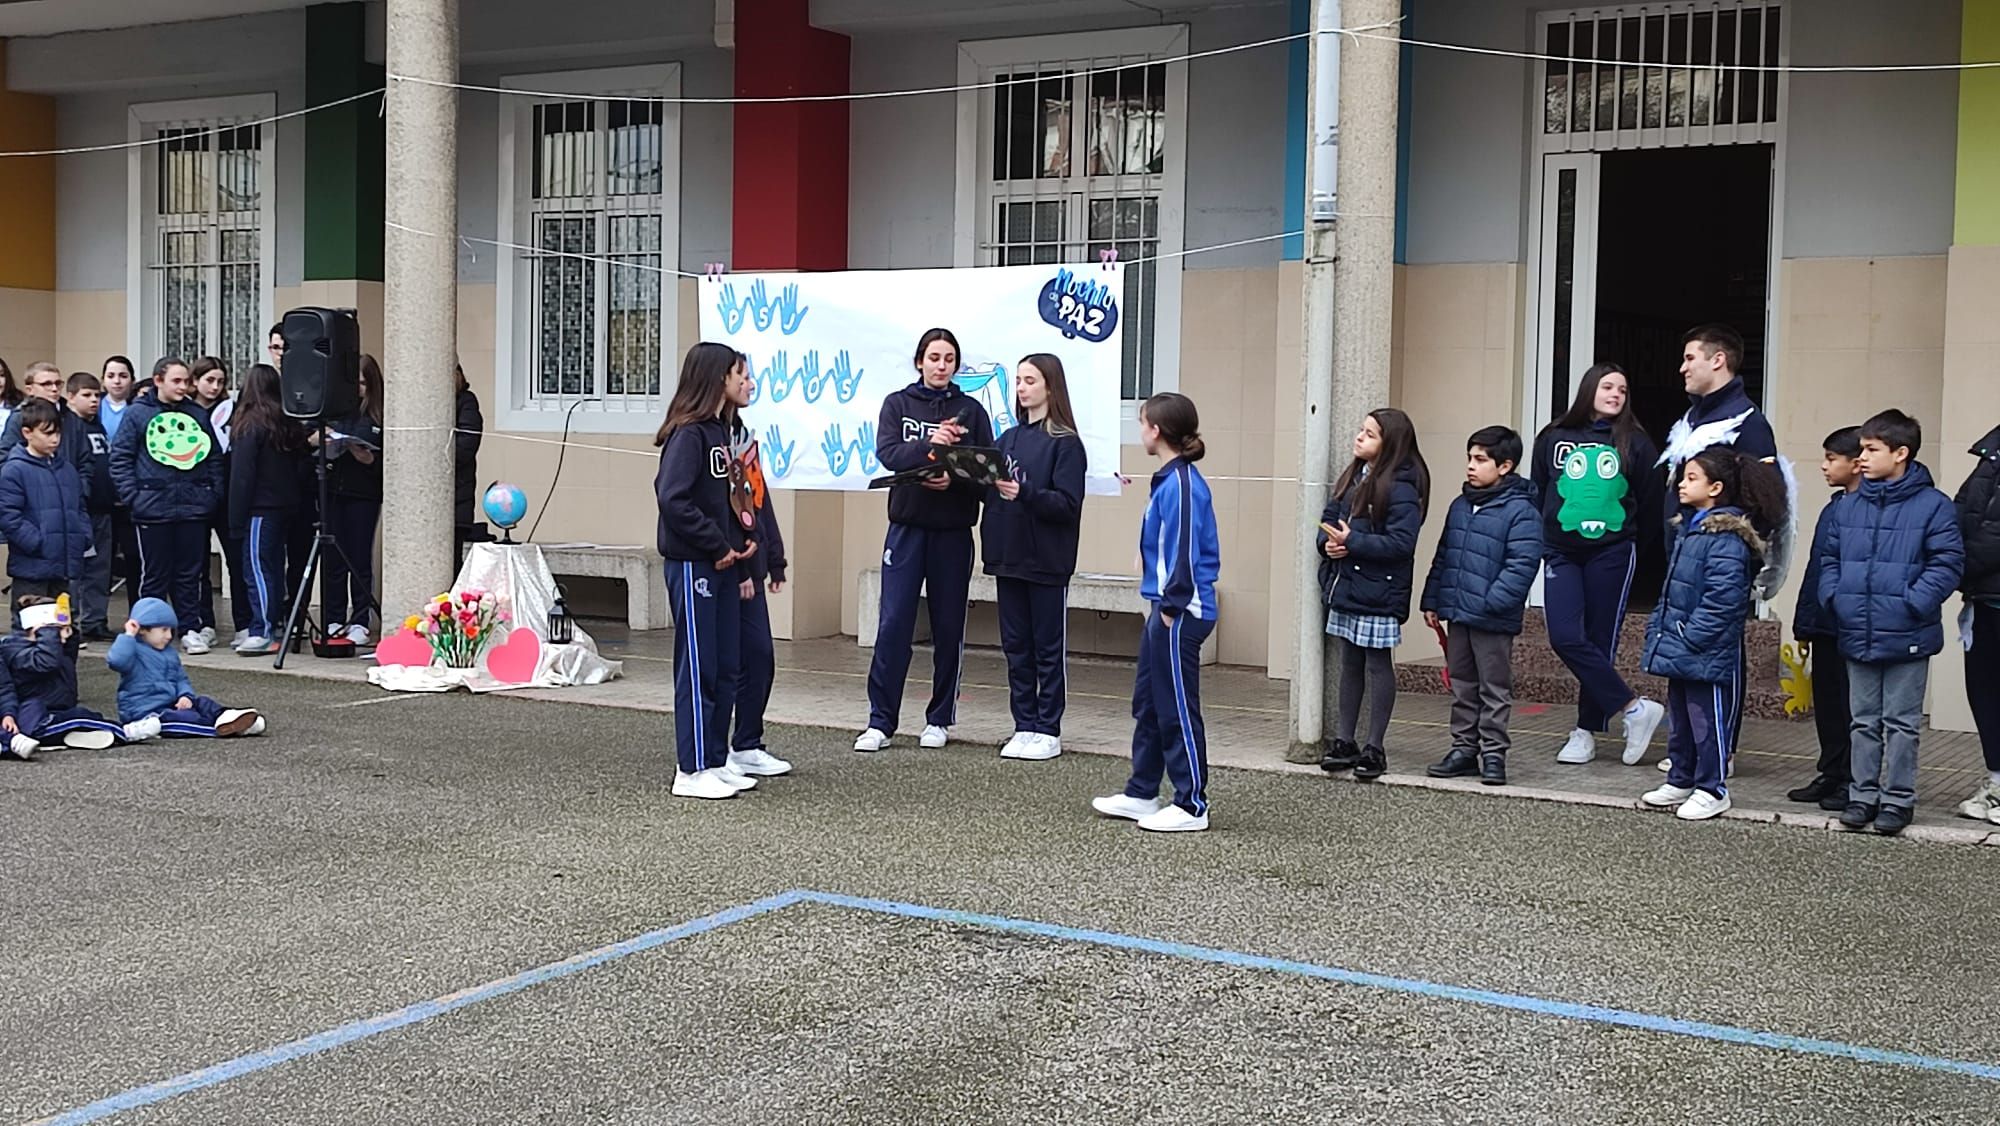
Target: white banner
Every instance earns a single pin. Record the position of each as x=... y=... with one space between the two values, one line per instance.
x=825 y=349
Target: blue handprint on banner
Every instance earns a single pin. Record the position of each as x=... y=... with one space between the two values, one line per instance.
x=837 y=457
x=778 y=452
x=732 y=313
x=987 y=383
x=760 y=309
x=864 y=447
x=846 y=380
x=1077 y=306
x=790 y=313
x=778 y=376
x=842 y=455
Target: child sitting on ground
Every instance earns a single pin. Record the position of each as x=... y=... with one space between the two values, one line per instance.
x=153 y=689
x=13 y=744
x=44 y=679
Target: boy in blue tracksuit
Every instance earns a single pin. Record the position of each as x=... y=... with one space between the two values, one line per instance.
x=168 y=471
x=42 y=667
x=1479 y=581
x=705 y=543
x=1181 y=559
x=1819 y=640
x=42 y=508
x=154 y=696
x=1891 y=557
x=928 y=551
x=1029 y=537
x=14 y=743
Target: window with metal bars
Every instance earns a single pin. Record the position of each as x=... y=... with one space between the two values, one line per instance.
x=1665 y=75
x=206 y=291
x=595 y=285
x=1078 y=165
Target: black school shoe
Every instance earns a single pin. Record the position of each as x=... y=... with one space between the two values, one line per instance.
x=1835 y=799
x=1340 y=755
x=1493 y=769
x=1817 y=790
x=1893 y=819
x=1457 y=763
x=1372 y=765
x=1858 y=815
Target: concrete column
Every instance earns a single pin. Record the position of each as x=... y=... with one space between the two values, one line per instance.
x=420 y=304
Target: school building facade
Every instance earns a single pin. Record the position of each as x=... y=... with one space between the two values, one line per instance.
x=1547 y=213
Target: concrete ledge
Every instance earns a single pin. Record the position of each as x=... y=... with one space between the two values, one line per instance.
x=1106 y=594
x=642 y=570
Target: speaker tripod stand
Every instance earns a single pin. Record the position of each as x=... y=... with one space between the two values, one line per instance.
x=322 y=541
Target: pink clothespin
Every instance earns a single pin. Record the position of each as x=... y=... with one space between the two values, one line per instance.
x=1108 y=257
x=713 y=271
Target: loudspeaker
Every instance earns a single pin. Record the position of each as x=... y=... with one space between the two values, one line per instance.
x=321 y=377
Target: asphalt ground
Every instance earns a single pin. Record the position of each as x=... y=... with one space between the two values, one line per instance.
x=172 y=907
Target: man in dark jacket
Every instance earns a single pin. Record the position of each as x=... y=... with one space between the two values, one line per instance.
x=1978 y=504
x=41 y=508
x=165 y=466
x=85 y=444
x=1485 y=562
x=1819 y=640
x=1893 y=554
x=468 y=429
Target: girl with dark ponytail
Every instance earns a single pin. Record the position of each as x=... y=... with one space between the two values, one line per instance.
x=1181 y=558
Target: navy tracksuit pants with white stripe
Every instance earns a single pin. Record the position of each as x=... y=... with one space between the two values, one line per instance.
x=1703 y=734
x=1167 y=732
x=264 y=577
x=40 y=722
x=920 y=562
x=708 y=623
x=1034 y=636
x=757 y=668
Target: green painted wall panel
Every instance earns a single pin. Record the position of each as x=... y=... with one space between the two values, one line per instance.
x=1978 y=198
x=344 y=169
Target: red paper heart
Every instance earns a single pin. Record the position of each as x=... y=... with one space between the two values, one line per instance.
x=514 y=662
x=404 y=647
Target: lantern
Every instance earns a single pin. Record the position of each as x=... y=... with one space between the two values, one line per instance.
x=562 y=627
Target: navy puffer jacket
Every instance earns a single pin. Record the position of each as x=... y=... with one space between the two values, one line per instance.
x=1810 y=621
x=1375 y=576
x=1978 y=504
x=41 y=512
x=1892 y=555
x=1696 y=630
x=183 y=480
x=1487 y=557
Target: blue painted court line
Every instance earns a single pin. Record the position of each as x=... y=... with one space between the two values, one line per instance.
x=399 y=1018
x=1516 y=1002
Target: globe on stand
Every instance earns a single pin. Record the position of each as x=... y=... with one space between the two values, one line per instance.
x=505 y=506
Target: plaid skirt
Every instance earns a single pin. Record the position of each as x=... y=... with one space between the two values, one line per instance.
x=1367 y=631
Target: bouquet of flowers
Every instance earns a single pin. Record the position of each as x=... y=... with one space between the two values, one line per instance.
x=459 y=626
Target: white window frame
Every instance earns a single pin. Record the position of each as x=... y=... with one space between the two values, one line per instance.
x=145 y=341
x=518 y=410
x=979 y=61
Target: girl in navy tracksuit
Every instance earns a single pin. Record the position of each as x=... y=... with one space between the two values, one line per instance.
x=1181 y=559
x=1600 y=499
x=758 y=656
x=1367 y=545
x=928 y=551
x=266 y=495
x=705 y=547
x=1029 y=537
x=1694 y=634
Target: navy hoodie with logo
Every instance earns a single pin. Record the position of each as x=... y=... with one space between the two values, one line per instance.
x=1034 y=536
x=903 y=442
x=161 y=492
x=692 y=486
x=1640 y=503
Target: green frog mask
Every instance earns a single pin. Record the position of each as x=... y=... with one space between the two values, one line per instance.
x=177 y=441
x=1592 y=488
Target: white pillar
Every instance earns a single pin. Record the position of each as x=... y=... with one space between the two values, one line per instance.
x=420 y=304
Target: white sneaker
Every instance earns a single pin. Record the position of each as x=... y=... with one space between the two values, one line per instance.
x=194 y=644
x=1126 y=806
x=1702 y=805
x=934 y=737
x=1641 y=720
x=871 y=740
x=207 y=636
x=1033 y=747
x=256 y=728
x=358 y=634
x=140 y=730
x=20 y=747
x=702 y=784
x=251 y=645
x=232 y=722
x=1667 y=796
x=1173 y=819
x=758 y=762
x=1581 y=748
x=734 y=776
x=1013 y=744
x=92 y=740
x=1666 y=764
